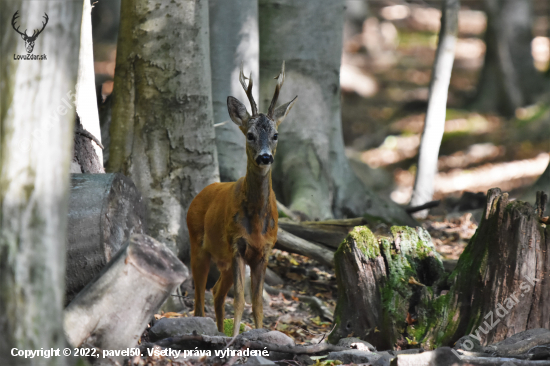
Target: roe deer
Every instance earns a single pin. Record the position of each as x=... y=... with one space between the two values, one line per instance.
x=235 y=223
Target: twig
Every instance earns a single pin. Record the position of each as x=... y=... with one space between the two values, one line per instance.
x=425 y=206
x=81 y=131
x=324 y=335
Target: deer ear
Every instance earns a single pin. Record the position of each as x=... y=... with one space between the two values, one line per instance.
x=237 y=111
x=280 y=113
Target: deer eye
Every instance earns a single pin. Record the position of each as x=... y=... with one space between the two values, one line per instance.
x=250 y=136
x=275 y=137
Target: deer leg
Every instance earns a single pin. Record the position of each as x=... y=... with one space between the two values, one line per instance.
x=238 y=301
x=200 y=266
x=220 y=290
x=257 y=274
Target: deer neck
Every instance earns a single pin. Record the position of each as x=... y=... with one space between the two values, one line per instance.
x=257 y=187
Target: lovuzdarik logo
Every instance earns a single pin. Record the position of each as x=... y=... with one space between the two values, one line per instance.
x=29 y=40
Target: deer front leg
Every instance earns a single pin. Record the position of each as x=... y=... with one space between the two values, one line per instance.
x=238 y=301
x=257 y=274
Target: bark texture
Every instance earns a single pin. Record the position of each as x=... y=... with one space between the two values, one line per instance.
x=36 y=128
x=85 y=159
x=434 y=124
x=509 y=79
x=113 y=311
x=311 y=172
x=384 y=277
x=162 y=134
x=234 y=39
x=500 y=285
x=104 y=211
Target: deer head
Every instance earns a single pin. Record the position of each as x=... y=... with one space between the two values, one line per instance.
x=29 y=40
x=260 y=129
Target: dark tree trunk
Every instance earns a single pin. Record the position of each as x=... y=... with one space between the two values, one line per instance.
x=113 y=310
x=509 y=79
x=85 y=159
x=500 y=285
x=104 y=210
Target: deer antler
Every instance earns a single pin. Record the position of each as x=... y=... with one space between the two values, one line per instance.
x=15 y=16
x=248 y=90
x=36 y=33
x=280 y=80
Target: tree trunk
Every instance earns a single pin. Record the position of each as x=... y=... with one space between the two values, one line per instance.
x=113 y=311
x=85 y=159
x=311 y=172
x=86 y=102
x=162 y=135
x=434 y=124
x=384 y=278
x=509 y=79
x=104 y=210
x=233 y=39
x=36 y=129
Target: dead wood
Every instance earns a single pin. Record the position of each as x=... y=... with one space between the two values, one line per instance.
x=85 y=158
x=104 y=210
x=293 y=244
x=510 y=348
x=329 y=233
x=115 y=308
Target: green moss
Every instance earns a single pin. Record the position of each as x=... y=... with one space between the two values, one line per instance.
x=228 y=327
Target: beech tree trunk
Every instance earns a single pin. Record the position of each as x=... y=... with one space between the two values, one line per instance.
x=509 y=79
x=311 y=174
x=162 y=134
x=36 y=128
x=113 y=311
x=104 y=210
x=233 y=39
x=434 y=123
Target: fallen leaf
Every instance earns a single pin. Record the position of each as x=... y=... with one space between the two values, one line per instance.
x=410 y=320
x=413 y=281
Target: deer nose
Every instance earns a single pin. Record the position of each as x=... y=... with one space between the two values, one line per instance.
x=264 y=159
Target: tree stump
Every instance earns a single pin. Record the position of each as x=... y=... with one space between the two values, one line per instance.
x=392 y=291
x=500 y=286
x=104 y=210
x=379 y=280
x=113 y=310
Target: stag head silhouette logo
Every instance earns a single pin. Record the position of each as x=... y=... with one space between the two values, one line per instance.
x=29 y=40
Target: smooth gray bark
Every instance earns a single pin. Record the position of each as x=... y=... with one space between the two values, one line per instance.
x=234 y=39
x=311 y=174
x=36 y=128
x=509 y=79
x=104 y=210
x=434 y=124
x=162 y=133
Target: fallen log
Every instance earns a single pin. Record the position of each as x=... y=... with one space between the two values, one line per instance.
x=294 y=244
x=104 y=210
x=329 y=233
x=114 y=309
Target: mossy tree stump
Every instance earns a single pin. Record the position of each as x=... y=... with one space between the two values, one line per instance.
x=394 y=289
x=379 y=280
